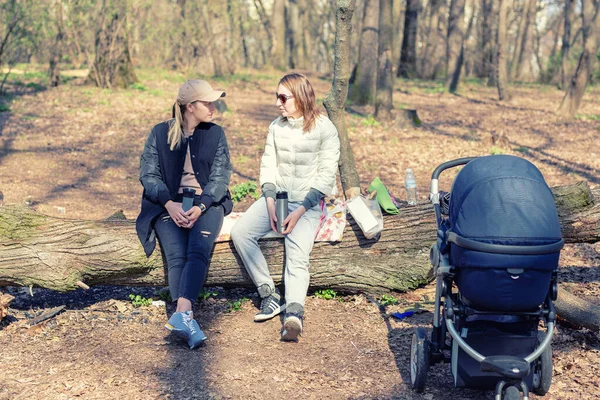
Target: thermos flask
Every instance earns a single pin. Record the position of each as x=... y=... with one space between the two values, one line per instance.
x=281 y=209
x=188 y=198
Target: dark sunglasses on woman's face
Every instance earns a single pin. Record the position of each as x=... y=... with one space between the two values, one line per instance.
x=283 y=97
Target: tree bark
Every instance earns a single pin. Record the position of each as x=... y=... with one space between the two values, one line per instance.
x=38 y=250
x=572 y=99
x=502 y=48
x=365 y=83
x=385 y=73
x=566 y=43
x=454 y=48
x=335 y=99
x=407 y=67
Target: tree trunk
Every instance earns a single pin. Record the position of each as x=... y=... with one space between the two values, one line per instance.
x=407 y=67
x=430 y=60
x=577 y=311
x=454 y=49
x=55 y=253
x=365 y=83
x=502 y=48
x=572 y=100
x=294 y=38
x=484 y=64
x=523 y=70
x=278 y=49
x=112 y=65
x=335 y=99
x=57 y=50
x=385 y=73
x=566 y=43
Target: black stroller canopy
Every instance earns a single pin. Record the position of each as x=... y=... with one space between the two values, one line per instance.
x=503 y=199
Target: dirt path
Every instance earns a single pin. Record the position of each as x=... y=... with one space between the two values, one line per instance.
x=74 y=152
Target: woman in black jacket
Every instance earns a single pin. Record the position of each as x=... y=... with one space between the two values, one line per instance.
x=185 y=152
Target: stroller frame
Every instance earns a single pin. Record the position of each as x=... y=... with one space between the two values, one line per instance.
x=450 y=310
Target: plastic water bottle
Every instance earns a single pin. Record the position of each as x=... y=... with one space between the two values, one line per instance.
x=411 y=187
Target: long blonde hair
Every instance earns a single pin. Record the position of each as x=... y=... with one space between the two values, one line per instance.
x=304 y=95
x=175 y=136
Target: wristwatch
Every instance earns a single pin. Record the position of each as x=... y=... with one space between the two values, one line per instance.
x=202 y=207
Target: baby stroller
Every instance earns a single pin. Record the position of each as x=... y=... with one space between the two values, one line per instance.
x=495 y=262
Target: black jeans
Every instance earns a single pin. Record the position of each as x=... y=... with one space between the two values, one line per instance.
x=187 y=251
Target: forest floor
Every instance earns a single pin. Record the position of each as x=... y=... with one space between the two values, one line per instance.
x=73 y=152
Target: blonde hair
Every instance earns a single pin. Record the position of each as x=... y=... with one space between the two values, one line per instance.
x=175 y=136
x=304 y=95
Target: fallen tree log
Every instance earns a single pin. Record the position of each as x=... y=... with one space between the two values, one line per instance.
x=39 y=250
x=577 y=311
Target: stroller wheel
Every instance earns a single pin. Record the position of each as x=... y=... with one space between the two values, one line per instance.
x=542 y=370
x=512 y=393
x=419 y=360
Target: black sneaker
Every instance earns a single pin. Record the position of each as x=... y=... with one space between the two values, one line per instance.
x=270 y=306
x=292 y=327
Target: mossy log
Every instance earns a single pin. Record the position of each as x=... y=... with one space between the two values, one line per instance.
x=44 y=251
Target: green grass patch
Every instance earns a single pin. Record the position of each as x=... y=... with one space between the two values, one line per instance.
x=588 y=117
x=205 y=294
x=388 y=300
x=496 y=150
x=370 y=121
x=4 y=107
x=522 y=149
x=138 y=86
x=242 y=190
x=326 y=294
x=139 y=301
x=236 y=305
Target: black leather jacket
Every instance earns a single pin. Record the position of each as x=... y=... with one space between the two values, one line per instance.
x=161 y=170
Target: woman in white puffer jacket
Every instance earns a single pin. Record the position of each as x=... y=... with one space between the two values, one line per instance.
x=301 y=158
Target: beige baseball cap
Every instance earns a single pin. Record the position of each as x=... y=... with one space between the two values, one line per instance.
x=196 y=89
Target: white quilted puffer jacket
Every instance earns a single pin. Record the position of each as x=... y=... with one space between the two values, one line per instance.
x=296 y=161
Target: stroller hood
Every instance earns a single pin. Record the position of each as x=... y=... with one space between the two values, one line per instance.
x=504 y=200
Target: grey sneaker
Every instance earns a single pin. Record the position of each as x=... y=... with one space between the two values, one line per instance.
x=269 y=307
x=270 y=303
x=292 y=327
x=184 y=324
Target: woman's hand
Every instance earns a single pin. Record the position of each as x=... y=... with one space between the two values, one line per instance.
x=192 y=215
x=272 y=213
x=292 y=219
x=176 y=213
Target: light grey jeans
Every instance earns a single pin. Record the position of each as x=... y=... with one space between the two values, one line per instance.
x=254 y=224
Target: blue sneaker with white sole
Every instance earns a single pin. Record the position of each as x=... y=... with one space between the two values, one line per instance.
x=184 y=324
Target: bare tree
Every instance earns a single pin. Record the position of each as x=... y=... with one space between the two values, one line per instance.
x=278 y=59
x=455 y=48
x=112 y=65
x=566 y=43
x=525 y=51
x=385 y=74
x=484 y=67
x=570 y=103
x=56 y=51
x=502 y=49
x=365 y=83
x=407 y=67
x=335 y=99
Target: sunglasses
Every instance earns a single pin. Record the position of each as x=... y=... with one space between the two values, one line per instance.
x=283 y=97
